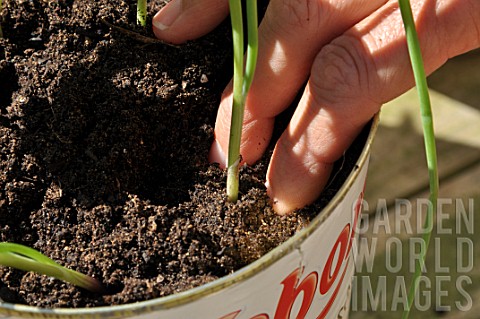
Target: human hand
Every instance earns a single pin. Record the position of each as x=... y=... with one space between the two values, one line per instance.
x=353 y=54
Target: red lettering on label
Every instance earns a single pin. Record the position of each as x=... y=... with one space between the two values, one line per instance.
x=231 y=315
x=291 y=291
x=328 y=278
x=330 y=302
x=234 y=315
x=356 y=217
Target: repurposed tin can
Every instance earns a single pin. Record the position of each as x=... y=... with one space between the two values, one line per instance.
x=308 y=276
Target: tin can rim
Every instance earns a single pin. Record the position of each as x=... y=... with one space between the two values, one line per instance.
x=196 y=293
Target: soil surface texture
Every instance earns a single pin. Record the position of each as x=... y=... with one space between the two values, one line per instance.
x=104 y=136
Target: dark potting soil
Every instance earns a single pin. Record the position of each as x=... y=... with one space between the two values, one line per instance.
x=104 y=137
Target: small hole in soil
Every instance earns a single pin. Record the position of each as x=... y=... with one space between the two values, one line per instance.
x=113 y=288
x=8 y=83
x=7 y=295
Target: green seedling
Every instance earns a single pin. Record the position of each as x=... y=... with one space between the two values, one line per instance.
x=429 y=140
x=142 y=12
x=242 y=79
x=29 y=259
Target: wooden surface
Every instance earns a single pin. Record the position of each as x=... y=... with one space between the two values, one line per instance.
x=398 y=174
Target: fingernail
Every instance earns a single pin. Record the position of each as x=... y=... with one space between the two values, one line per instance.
x=267 y=185
x=217 y=155
x=167 y=15
x=278 y=206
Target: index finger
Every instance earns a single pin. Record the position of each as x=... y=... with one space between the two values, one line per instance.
x=290 y=35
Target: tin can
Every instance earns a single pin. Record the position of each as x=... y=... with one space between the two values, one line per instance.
x=308 y=276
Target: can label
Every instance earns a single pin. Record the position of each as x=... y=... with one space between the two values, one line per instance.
x=311 y=281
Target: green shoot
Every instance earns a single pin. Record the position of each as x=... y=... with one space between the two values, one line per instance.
x=429 y=139
x=241 y=84
x=29 y=259
x=142 y=12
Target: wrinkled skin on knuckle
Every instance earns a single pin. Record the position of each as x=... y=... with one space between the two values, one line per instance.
x=343 y=76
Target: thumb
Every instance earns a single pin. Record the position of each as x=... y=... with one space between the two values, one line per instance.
x=183 y=20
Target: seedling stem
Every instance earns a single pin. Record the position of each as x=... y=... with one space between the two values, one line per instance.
x=429 y=139
x=142 y=12
x=241 y=84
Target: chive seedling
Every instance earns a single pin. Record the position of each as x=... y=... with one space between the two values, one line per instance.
x=29 y=259
x=241 y=84
x=429 y=140
x=142 y=12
